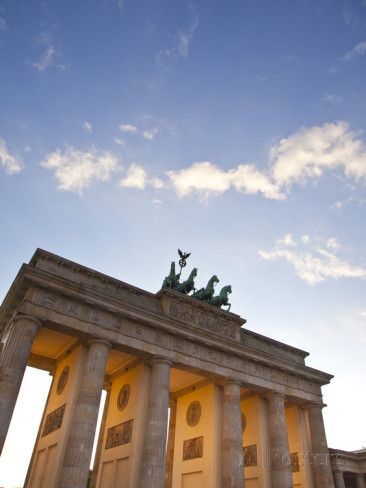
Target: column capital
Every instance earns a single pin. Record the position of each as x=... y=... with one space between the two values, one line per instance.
x=232 y=381
x=316 y=405
x=24 y=316
x=270 y=395
x=98 y=340
x=160 y=360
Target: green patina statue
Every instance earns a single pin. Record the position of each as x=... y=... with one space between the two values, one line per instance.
x=172 y=279
x=188 y=285
x=222 y=298
x=204 y=294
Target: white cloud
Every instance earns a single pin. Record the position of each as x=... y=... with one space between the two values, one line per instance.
x=314 y=263
x=287 y=240
x=311 y=151
x=150 y=134
x=76 y=170
x=119 y=141
x=128 y=128
x=136 y=177
x=10 y=163
x=306 y=154
x=305 y=239
x=333 y=244
x=157 y=183
x=87 y=126
x=207 y=180
x=332 y=99
x=360 y=202
x=358 y=50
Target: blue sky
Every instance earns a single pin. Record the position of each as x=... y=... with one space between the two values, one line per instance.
x=234 y=130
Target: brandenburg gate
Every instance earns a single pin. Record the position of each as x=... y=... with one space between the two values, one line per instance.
x=194 y=399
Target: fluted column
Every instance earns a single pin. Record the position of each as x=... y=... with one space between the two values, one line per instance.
x=280 y=453
x=319 y=448
x=232 y=444
x=171 y=441
x=75 y=468
x=339 y=480
x=361 y=481
x=13 y=361
x=154 y=451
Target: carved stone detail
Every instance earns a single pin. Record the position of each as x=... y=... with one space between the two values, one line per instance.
x=54 y=420
x=295 y=464
x=193 y=448
x=193 y=413
x=160 y=338
x=62 y=380
x=123 y=397
x=119 y=434
x=250 y=456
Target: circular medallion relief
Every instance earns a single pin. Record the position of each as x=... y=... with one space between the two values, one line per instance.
x=123 y=397
x=62 y=380
x=193 y=413
x=243 y=422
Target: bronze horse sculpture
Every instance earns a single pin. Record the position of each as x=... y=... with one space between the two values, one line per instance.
x=206 y=293
x=188 y=285
x=222 y=298
x=172 y=280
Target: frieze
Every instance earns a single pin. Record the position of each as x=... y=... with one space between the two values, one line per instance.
x=203 y=320
x=250 y=456
x=119 y=434
x=54 y=420
x=295 y=464
x=158 y=337
x=193 y=448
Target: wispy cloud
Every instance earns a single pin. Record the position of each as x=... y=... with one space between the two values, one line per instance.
x=150 y=134
x=87 y=126
x=358 y=50
x=332 y=99
x=49 y=54
x=119 y=141
x=185 y=36
x=181 y=43
x=8 y=161
x=314 y=260
x=3 y=24
x=128 y=128
x=340 y=204
x=76 y=170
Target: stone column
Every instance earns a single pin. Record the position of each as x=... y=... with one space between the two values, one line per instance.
x=361 y=481
x=75 y=468
x=171 y=440
x=13 y=361
x=232 y=444
x=339 y=479
x=98 y=451
x=319 y=448
x=279 y=447
x=154 y=451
